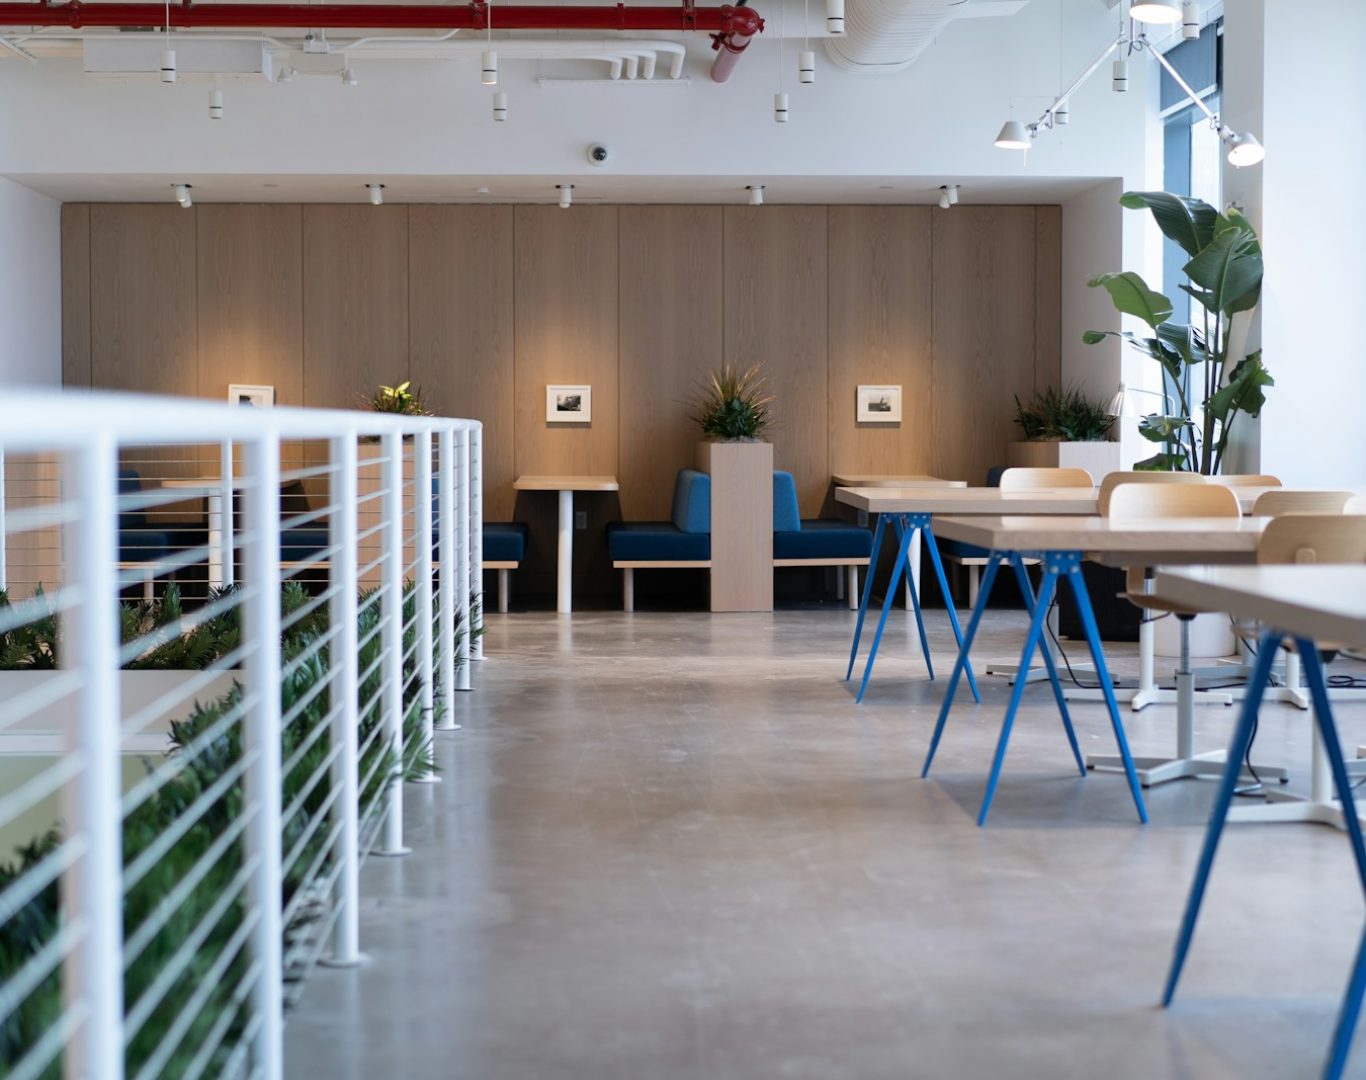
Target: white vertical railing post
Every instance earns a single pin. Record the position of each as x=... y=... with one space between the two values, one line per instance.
x=422 y=505
x=225 y=511
x=462 y=556
x=477 y=536
x=391 y=630
x=4 y=553
x=92 y=890
x=446 y=481
x=261 y=740
x=345 y=663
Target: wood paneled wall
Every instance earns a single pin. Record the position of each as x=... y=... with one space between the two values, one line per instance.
x=485 y=305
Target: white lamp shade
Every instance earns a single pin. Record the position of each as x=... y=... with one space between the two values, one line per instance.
x=1156 y=12
x=1244 y=150
x=953 y=194
x=834 y=16
x=566 y=196
x=780 y=108
x=806 y=66
x=168 y=65
x=215 y=104
x=1013 y=136
x=756 y=194
x=1190 y=20
x=489 y=68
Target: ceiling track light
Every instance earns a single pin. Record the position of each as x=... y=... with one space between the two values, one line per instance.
x=1061 y=115
x=182 y=194
x=1190 y=21
x=944 y=203
x=168 y=65
x=834 y=16
x=1119 y=77
x=215 y=104
x=806 y=66
x=376 y=194
x=756 y=194
x=489 y=65
x=500 y=107
x=348 y=77
x=1015 y=136
x=780 y=108
x=1156 y=12
x=566 y=195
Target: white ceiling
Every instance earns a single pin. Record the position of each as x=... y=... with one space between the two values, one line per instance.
x=590 y=185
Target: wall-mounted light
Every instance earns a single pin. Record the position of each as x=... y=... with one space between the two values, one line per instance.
x=1243 y=149
x=215 y=104
x=756 y=194
x=1156 y=12
x=348 y=77
x=489 y=68
x=376 y=194
x=566 y=195
x=1014 y=136
x=500 y=107
x=182 y=195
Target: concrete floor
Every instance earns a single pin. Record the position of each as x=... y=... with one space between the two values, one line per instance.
x=670 y=846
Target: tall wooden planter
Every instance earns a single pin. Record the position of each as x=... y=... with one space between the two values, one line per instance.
x=741 y=523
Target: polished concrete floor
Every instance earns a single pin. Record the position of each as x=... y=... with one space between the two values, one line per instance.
x=670 y=846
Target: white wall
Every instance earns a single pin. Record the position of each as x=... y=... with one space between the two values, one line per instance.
x=1306 y=200
x=30 y=288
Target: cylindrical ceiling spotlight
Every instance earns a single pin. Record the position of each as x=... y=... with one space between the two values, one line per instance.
x=780 y=108
x=806 y=66
x=1014 y=136
x=756 y=194
x=1061 y=116
x=168 y=65
x=500 y=107
x=944 y=202
x=834 y=16
x=566 y=195
x=348 y=77
x=953 y=194
x=489 y=68
x=182 y=195
x=376 y=194
x=1156 y=12
x=1190 y=20
x=215 y=104
x=1120 y=77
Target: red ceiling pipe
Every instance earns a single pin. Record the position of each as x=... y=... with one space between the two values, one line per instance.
x=724 y=19
x=729 y=45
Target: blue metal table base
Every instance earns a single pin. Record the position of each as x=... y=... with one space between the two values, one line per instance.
x=906 y=526
x=1242 y=736
x=1056 y=565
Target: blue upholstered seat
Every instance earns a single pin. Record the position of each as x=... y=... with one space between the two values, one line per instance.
x=137 y=542
x=815 y=538
x=956 y=549
x=504 y=541
x=299 y=545
x=686 y=538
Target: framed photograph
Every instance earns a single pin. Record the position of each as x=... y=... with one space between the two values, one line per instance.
x=878 y=405
x=568 y=404
x=251 y=397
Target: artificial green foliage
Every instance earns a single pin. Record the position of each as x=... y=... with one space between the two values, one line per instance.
x=1224 y=277
x=1065 y=415
x=731 y=405
x=190 y=895
x=401 y=400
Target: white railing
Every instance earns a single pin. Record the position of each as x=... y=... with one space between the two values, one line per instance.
x=284 y=694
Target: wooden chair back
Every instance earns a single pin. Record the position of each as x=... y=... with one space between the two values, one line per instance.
x=1115 y=479
x=1151 y=501
x=1355 y=505
x=1248 y=480
x=1314 y=538
x=1276 y=503
x=1021 y=479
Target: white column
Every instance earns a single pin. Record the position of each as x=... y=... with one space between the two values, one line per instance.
x=391 y=629
x=92 y=889
x=261 y=741
x=564 y=582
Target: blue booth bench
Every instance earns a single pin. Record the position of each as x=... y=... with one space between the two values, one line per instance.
x=683 y=542
x=816 y=541
x=504 y=550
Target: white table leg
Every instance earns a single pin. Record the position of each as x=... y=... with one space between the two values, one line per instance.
x=564 y=580
x=216 y=552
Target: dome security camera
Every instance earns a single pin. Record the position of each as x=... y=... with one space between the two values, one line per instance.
x=598 y=155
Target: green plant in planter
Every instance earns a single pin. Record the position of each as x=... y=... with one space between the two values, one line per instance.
x=400 y=400
x=1224 y=276
x=733 y=406
x=1066 y=415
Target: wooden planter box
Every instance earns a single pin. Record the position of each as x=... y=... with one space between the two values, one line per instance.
x=1097 y=458
x=741 y=523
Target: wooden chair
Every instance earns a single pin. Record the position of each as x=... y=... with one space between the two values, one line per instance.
x=1248 y=480
x=1115 y=479
x=1021 y=479
x=1276 y=503
x=1355 y=505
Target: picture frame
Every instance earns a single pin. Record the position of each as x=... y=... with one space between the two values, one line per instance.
x=878 y=405
x=251 y=397
x=568 y=404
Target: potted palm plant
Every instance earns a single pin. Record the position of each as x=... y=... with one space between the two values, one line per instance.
x=1065 y=429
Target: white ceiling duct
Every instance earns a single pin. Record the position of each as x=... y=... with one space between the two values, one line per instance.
x=885 y=36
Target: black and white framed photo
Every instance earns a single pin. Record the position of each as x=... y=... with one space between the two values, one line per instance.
x=251 y=397
x=568 y=404
x=878 y=405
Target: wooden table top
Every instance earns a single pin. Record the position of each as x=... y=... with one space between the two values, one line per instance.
x=1117 y=541
x=990 y=500
x=566 y=483
x=883 y=480
x=1323 y=602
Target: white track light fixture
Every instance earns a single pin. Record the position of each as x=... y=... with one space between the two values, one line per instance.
x=756 y=194
x=168 y=65
x=566 y=195
x=1015 y=136
x=215 y=104
x=182 y=195
x=780 y=108
x=500 y=107
x=806 y=66
x=1244 y=149
x=1119 y=78
x=376 y=194
x=1190 y=21
x=1156 y=12
x=944 y=203
x=953 y=194
x=348 y=77
x=489 y=68
x=1061 y=115
x=834 y=16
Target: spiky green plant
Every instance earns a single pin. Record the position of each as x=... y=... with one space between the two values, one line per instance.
x=1065 y=415
x=733 y=405
x=399 y=400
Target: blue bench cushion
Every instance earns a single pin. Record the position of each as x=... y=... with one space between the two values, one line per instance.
x=956 y=549
x=142 y=545
x=786 y=516
x=504 y=541
x=692 y=502
x=823 y=540
x=297 y=545
x=655 y=541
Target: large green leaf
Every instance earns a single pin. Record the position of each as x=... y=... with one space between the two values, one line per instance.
x=1243 y=392
x=1170 y=359
x=1187 y=342
x=1163 y=429
x=1132 y=296
x=1190 y=222
x=1162 y=463
x=1229 y=271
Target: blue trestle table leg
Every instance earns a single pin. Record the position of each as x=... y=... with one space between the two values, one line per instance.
x=1328 y=730
x=959 y=664
x=1027 y=591
x=927 y=531
x=1347 y=1017
x=903 y=546
x=867 y=591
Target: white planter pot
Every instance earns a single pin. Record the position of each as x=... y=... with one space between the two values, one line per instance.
x=1211 y=635
x=1097 y=458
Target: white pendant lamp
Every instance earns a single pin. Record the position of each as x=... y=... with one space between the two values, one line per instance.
x=1190 y=21
x=780 y=108
x=500 y=107
x=1245 y=150
x=1014 y=136
x=806 y=66
x=489 y=65
x=1156 y=12
x=168 y=65
x=215 y=104
x=834 y=16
